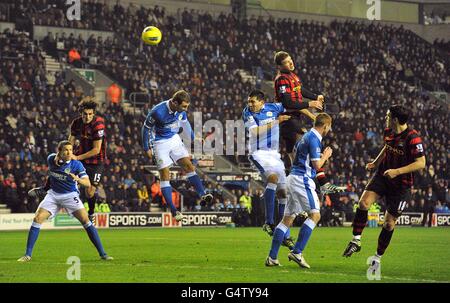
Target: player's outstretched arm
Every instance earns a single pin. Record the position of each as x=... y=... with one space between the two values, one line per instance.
x=308 y=114
x=72 y=140
x=82 y=181
x=418 y=164
x=325 y=156
x=317 y=100
x=97 y=145
x=263 y=129
x=374 y=164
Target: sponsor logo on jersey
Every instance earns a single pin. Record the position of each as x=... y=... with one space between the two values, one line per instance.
x=395 y=150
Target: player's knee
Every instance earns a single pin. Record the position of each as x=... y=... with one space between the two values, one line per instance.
x=364 y=204
x=315 y=217
x=164 y=174
x=287 y=220
x=389 y=224
x=91 y=190
x=281 y=194
x=39 y=218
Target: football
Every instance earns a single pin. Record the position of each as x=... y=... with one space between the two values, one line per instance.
x=151 y=35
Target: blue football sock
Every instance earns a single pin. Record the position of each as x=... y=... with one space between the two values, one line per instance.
x=32 y=237
x=194 y=179
x=166 y=190
x=269 y=199
x=281 y=207
x=304 y=235
x=95 y=239
x=278 y=237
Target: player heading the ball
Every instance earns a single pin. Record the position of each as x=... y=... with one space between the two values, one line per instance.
x=164 y=147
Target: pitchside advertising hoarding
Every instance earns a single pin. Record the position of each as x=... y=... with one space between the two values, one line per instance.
x=416 y=219
x=200 y=219
x=163 y=219
x=119 y=220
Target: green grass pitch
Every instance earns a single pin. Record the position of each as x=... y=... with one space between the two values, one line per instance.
x=223 y=255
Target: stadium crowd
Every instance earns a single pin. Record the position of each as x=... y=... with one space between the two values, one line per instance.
x=362 y=68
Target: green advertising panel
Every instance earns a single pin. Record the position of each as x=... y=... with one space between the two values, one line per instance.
x=65 y=220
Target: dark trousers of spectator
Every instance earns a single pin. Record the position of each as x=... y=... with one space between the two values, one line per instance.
x=326 y=216
x=427 y=215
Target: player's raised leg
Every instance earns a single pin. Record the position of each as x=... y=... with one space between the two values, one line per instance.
x=39 y=218
x=91 y=199
x=269 y=202
x=360 y=221
x=194 y=179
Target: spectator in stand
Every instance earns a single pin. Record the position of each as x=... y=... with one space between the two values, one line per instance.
x=197 y=206
x=132 y=196
x=258 y=211
x=143 y=193
x=245 y=201
x=103 y=207
x=429 y=206
x=156 y=193
x=74 y=57
x=114 y=94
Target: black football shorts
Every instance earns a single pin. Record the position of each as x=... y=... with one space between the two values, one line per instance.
x=94 y=171
x=396 y=198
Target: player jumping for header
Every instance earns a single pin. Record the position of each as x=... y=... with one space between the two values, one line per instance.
x=262 y=122
x=160 y=139
x=290 y=91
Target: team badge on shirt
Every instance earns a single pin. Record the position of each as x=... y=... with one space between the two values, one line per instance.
x=269 y=114
x=67 y=170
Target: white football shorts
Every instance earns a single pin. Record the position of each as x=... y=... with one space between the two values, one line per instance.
x=269 y=162
x=301 y=195
x=54 y=201
x=169 y=151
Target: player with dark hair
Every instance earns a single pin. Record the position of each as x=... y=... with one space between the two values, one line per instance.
x=402 y=154
x=64 y=175
x=89 y=129
x=163 y=145
x=262 y=121
x=290 y=91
